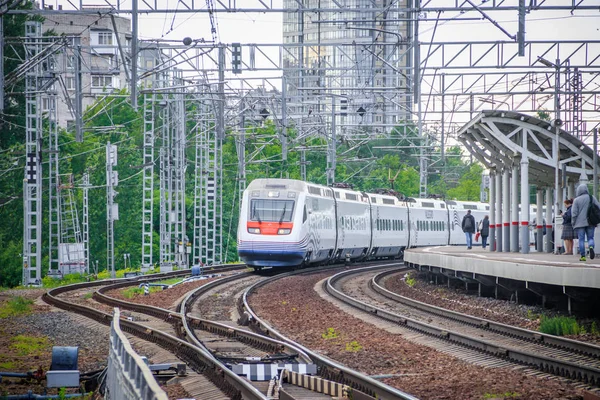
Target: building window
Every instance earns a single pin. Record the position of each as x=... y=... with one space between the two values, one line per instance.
x=71 y=62
x=70 y=83
x=47 y=104
x=101 y=81
x=105 y=38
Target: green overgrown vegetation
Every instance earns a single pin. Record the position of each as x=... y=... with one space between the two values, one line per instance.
x=132 y=292
x=410 y=281
x=50 y=282
x=505 y=395
x=15 y=306
x=7 y=365
x=29 y=345
x=330 y=334
x=353 y=346
x=560 y=326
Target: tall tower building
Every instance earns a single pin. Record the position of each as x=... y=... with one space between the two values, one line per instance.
x=348 y=69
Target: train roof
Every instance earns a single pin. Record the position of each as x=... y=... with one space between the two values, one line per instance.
x=426 y=203
x=467 y=205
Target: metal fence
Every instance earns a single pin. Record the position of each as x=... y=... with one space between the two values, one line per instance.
x=128 y=377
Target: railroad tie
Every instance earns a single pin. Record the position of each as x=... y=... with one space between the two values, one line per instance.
x=264 y=372
x=316 y=384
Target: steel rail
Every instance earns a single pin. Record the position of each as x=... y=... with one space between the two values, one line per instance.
x=329 y=369
x=197 y=357
x=253 y=339
x=549 y=365
x=497 y=327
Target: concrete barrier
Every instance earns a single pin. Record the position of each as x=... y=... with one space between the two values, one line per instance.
x=128 y=377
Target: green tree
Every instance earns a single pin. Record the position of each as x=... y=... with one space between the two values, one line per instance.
x=469 y=184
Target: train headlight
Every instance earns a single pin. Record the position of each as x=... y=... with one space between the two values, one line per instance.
x=284 y=231
x=254 y=230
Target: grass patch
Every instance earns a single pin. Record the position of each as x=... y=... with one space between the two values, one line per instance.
x=8 y=366
x=29 y=345
x=353 y=346
x=88 y=295
x=169 y=281
x=330 y=334
x=560 y=326
x=15 y=306
x=132 y=292
x=506 y=395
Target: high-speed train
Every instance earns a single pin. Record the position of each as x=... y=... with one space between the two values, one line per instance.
x=285 y=222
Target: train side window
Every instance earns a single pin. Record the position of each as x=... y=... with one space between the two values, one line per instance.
x=304 y=215
x=401 y=225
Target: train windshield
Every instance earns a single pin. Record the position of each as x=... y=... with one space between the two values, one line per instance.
x=271 y=210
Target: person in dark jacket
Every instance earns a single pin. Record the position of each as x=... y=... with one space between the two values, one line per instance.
x=484 y=230
x=568 y=234
x=468 y=227
x=580 y=221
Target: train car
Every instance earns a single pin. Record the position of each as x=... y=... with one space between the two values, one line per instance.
x=354 y=230
x=390 y=218
x=457 y=210
x=428 y=222
x=286 y=222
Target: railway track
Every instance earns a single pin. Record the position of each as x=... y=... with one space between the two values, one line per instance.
x=328 y=368
x=477 y=340
x=216 y=378
x=210 y=347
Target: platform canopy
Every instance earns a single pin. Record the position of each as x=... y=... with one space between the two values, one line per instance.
x=499 y=139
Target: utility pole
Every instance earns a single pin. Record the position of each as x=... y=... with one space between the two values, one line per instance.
x=241 y=150
x=86 y=224
x=148 y=182
x=78 y=92
x=112 y=209
x=54 y=208
x=331 y=147
x=32 y=184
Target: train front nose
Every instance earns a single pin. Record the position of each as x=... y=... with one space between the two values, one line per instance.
x=271 y=245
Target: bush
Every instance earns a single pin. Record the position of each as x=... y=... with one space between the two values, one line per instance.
x=559 y=326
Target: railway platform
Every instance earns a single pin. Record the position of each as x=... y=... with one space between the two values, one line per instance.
x=561 y=280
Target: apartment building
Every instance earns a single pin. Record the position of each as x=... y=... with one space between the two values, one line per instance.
x=103 y=50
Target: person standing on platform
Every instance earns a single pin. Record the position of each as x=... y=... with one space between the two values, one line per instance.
x=468 y=227
x=568 y=234
x=579 y=219
x=484 y=230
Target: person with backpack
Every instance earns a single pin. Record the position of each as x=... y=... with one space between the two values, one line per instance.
x=584 y=219
x=468 y=227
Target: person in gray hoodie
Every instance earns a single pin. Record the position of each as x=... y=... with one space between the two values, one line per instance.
x=579 y=220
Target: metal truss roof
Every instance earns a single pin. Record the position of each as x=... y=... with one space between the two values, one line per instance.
x=499 y=139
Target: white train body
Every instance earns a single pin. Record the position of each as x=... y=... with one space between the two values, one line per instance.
x=285 y=222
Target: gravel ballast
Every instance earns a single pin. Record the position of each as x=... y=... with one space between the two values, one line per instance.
x=293 y=307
